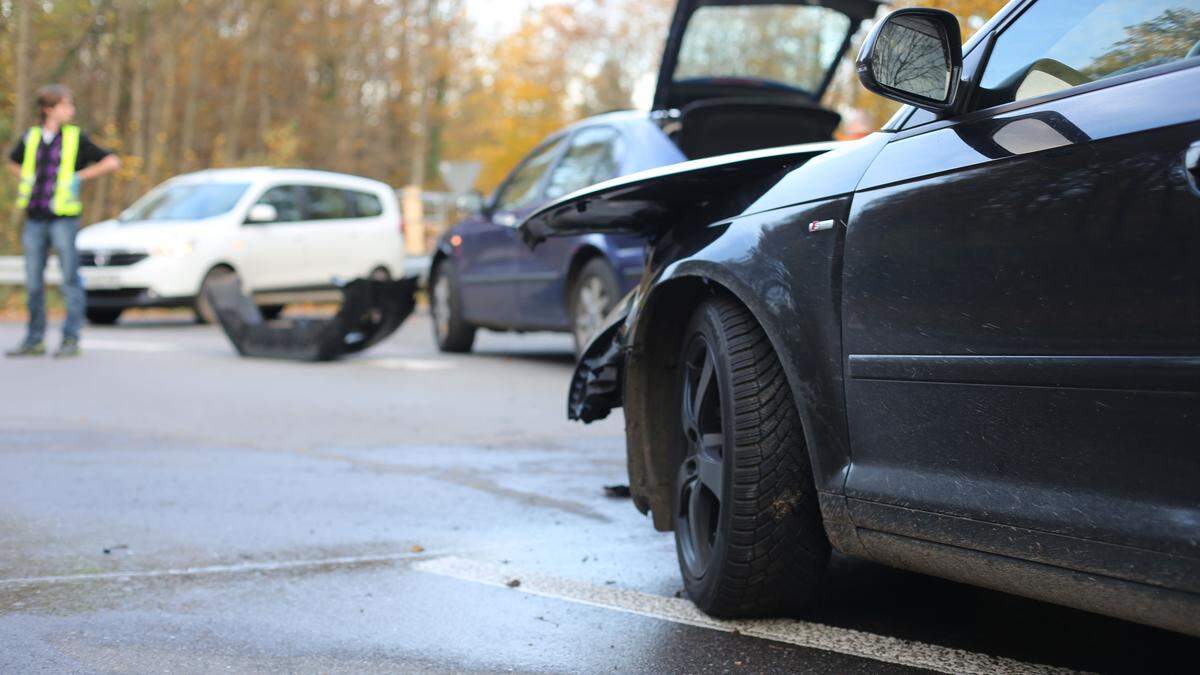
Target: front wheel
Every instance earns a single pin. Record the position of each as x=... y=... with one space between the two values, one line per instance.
x=748 y=529
x=451 y=331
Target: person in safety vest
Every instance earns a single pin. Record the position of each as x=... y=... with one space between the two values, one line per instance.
x=50 y=161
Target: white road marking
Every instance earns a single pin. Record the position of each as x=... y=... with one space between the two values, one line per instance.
x=677 y=610
x=129 y=346
x=417 y=365
x=237 y=568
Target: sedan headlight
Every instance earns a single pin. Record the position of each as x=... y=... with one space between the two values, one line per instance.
x=174 y=249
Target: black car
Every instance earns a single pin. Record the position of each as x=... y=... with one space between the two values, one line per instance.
x=968 y=345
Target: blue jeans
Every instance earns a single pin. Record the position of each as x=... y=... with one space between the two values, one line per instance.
x=39 y=236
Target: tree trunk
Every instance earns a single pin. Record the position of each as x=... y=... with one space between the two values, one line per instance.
x=24 y=9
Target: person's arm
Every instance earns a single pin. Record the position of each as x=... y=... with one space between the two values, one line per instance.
x=14 y=158
x=109 y=164
x=95 y=161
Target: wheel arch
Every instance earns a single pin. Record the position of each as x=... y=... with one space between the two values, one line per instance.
x=581 y=256
x=651 y=372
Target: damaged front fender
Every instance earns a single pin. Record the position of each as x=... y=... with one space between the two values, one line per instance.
x=596 y=384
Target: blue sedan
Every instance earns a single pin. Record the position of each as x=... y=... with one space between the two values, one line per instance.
x=482 y=276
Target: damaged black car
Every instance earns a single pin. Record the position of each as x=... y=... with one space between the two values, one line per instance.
x=967 y=345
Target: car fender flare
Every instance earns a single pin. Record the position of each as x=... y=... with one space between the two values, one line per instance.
x=683 y=284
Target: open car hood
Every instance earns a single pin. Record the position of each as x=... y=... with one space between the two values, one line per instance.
x=739 y=80
x=643 y=203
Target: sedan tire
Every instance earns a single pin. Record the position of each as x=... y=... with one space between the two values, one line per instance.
x=451 y=332
x=593 y=294
x=748 y=528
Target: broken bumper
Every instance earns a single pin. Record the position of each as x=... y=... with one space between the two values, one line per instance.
x=371 y=311
x=596 y=384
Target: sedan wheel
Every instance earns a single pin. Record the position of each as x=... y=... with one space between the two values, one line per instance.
x=451 y=332
x=593 y=295
x=748 y=528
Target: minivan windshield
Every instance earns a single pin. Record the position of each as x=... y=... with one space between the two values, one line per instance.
x=187 y=201
x=783 y=44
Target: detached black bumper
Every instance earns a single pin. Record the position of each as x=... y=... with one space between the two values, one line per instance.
x=370 y=312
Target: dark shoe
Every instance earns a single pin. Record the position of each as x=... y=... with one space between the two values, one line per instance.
x=28 y=348
x=68 y=349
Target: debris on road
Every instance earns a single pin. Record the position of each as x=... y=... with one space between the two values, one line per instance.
x=371 y=310
x=617 y=491
x=513 y=583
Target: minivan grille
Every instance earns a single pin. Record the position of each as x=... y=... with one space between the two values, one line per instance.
x=114 y=259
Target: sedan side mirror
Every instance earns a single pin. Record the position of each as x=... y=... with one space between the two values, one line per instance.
x=914 y=56
x=262 y=213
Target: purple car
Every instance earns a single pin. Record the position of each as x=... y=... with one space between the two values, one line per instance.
x=722 y=88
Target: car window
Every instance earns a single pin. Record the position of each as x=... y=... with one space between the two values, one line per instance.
x=522 y=188
x=594 y=156
x=188 y=201
x=286 y=200
x=325 y=203
x=1058 y=44
x=366 y=205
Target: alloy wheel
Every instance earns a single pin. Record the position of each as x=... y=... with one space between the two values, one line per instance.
x=592 y=302
x=441 y=304
x=699 y=484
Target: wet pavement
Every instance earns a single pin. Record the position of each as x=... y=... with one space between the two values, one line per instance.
x=167 y=506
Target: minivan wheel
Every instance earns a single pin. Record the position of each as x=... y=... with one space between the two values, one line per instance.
x=593 y=295
x=103 y=317
x=203 y=308
x=450 y=331
x=748 y=529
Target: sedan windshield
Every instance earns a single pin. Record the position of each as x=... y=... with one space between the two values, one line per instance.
x=194 y=201
x=785 y=44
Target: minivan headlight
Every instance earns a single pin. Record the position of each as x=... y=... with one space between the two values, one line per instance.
x=173 y=249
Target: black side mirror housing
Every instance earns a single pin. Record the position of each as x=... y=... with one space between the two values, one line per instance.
x=914 y=56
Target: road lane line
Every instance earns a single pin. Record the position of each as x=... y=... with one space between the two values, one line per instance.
x=415 y=365
x=237 y=568
x=800 y=633
x=101 y=345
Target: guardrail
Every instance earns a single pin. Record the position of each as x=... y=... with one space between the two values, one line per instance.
x=12 y=269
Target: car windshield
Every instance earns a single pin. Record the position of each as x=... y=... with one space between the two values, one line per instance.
x=785 y=44
x=189 y=201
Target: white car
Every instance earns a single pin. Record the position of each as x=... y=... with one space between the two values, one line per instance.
x=287 y=234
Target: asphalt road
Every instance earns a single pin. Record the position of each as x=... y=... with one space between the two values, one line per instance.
x=167 y=506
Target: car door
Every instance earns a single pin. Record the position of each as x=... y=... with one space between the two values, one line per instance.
x=332 y=237
x=490 y=246
x=1022 y=302
x=273 y=252
x=593 y=155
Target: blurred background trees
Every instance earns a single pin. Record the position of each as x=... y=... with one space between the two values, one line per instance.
x=381 y=88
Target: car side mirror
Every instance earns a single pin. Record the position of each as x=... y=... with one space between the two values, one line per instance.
x=262 y=213
x=914 y=56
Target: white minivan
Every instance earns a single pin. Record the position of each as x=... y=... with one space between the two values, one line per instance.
x=287 y=234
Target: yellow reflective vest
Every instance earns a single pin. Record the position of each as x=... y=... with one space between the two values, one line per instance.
x=66 y=200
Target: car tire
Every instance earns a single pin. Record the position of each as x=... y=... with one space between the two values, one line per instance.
x=380 y=273
x=594 y=292
x=451 y=332
x=271 y=312
x=748 y=529
x=103 y=317
x=202 y=308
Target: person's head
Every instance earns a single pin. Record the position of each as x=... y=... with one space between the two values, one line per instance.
x=55 y=105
